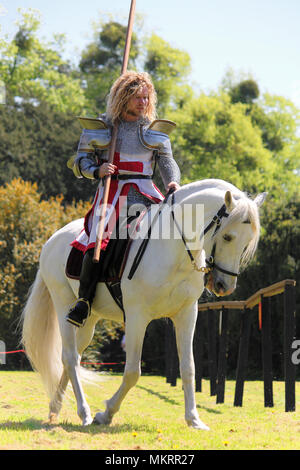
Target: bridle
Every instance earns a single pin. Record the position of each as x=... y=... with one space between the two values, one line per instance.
x=216 y=221
x=210 y=261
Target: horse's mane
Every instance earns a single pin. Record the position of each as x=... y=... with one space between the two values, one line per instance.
x=246 y=209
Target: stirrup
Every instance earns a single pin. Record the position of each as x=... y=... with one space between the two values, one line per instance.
x=78 y=322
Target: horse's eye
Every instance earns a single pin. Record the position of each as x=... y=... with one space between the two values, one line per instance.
x=227 y=237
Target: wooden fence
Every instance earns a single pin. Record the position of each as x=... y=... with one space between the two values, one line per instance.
x=217 y=365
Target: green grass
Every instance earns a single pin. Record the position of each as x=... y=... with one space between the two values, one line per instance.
x=151 y=417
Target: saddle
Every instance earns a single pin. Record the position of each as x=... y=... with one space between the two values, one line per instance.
x=113 y=259
x=112 y=262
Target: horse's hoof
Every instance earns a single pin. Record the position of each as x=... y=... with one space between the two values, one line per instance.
x=100 y=418
x=198 y=424
x=52 y=418
x=87 y=421
x=202 y=426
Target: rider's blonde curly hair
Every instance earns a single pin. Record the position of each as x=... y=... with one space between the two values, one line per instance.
x=124 y=88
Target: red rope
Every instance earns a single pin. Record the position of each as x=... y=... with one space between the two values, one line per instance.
x=103 y=363
x=90 y=363
x=12 y=352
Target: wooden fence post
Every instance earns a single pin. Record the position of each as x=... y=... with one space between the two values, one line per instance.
x=198 y=351
x=222 y=360
x=266 y=342
x=172 y=356
x=212 y=351
x=168 y=342
x=242 y=357
x=289 y=334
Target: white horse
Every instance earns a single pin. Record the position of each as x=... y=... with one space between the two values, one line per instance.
x=165 y=284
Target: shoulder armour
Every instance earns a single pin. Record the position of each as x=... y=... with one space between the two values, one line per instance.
x=156 y=136
x=92 y=123
x=71 y=160
x=73 y=164
x=162 y=125
x=95 y=135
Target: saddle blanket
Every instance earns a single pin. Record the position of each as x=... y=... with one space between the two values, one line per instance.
x=111 y=265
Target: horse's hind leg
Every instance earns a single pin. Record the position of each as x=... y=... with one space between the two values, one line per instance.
x=135 y=332
x=84 y=336
x=71 y=361
x=185 y=322
x=70 y=357
x=56 y=402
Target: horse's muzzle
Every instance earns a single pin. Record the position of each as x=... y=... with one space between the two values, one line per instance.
x=217 y=285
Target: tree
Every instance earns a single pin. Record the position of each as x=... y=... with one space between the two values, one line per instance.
x=34 y=71
x=35 y=144
x=216 y=139
x=102 y=59
x=244 y=92
x=278 y=120
x=169 y=68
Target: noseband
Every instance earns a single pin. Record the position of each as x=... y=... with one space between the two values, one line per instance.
x=216 y=221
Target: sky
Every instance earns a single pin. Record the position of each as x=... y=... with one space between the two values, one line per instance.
x=257 y=37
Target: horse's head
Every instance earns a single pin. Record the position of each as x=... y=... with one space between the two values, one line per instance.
x=234 y=243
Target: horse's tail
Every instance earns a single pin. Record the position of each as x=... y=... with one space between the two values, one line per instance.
x=41 y=336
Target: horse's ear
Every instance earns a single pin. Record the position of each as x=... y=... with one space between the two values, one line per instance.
x=229 y=201
x=260 y=199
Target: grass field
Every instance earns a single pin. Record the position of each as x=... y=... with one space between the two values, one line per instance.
x=152 y=417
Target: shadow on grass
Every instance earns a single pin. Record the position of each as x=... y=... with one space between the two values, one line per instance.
x=174 y=402
x=39 y=425
x=159 y=395
x=209 y=410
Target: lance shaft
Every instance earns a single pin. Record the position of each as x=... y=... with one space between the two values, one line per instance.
x=112 y=147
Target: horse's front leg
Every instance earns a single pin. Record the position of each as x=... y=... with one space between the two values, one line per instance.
x=185 y=322
x=135 y=332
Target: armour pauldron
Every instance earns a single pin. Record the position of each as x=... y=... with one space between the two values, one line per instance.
x=156 y=136
x=95 y=135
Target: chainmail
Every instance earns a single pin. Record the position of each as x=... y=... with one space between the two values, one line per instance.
x=127 y=141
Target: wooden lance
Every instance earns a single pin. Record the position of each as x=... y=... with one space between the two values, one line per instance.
x=101 y=225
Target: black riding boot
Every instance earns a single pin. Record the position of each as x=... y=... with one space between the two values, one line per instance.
x=87 y=288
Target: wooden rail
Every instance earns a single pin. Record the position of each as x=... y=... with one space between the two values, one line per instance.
x=252 y=301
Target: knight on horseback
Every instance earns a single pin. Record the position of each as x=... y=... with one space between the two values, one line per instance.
x=142 y=139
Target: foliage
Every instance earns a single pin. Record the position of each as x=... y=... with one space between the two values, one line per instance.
x=216 y=139
x=35 y=144
x=169 y=68
x=35 y=71
x=101 y=62
x=244 y=92
x=26 y=223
